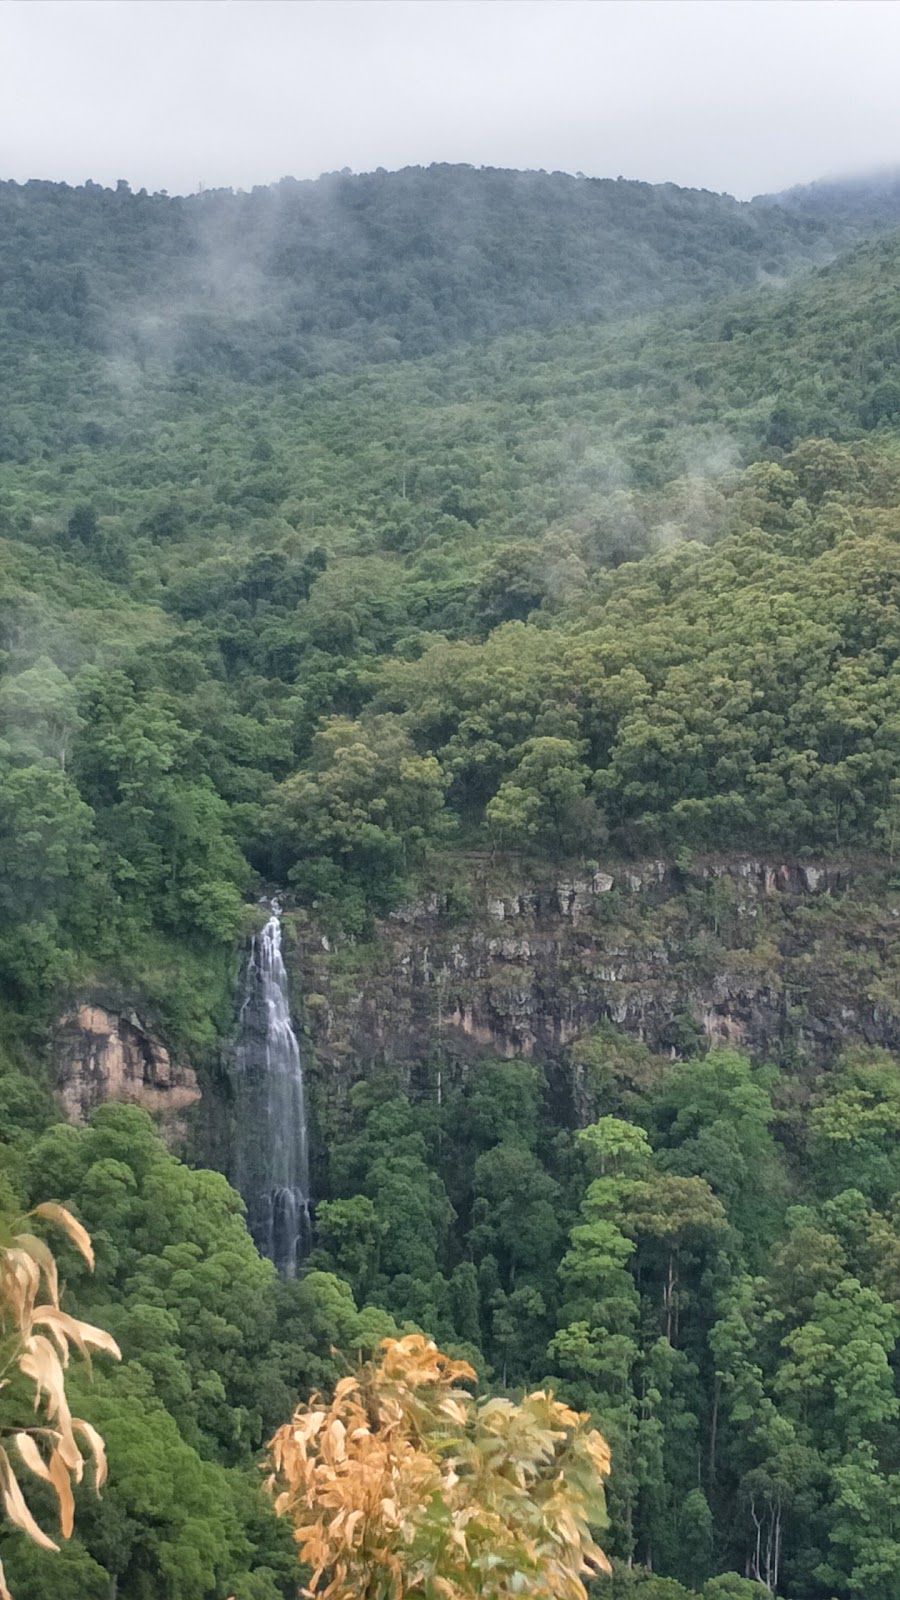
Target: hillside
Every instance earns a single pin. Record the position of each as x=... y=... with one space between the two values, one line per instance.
x=504 y=569
x=305 y=277
x=234 y=564
x=867 y=201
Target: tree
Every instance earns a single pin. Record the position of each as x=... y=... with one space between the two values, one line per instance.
x=367 y=807
x=81 y=527
x=31 y=1358
x=162 y=823
x=863 y=1531
x=836 y=1377
x=545 y=800
x=730 y=1586
x=177 y=1276
x=612 y=1070
x=514 y=1213
x=405 y=1485
x=597 y=1349
x=714 y=1116
x=511 y=585
x=854 y=1133
x=678 y=1215
x=51 y=891
x=39 y=713
x=350 y=1233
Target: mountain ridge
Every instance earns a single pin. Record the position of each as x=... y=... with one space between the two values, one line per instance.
x=311 y=275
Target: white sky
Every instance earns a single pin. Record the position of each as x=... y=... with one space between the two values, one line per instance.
x=743 y=95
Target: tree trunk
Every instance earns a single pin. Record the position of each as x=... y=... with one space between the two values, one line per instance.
x=713 y=1430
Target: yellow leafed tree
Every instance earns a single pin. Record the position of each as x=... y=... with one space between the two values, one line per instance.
x=37 y=1429
x=406 y=1485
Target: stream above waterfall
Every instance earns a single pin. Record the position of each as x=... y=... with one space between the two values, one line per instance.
x=271 y=1144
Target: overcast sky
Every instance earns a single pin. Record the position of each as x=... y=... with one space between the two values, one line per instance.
x=743 y=95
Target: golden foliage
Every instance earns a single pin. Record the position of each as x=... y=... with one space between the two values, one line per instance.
x=35 y=1340
x=406 y=1485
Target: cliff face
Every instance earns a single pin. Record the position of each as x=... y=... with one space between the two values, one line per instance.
x=102 y=1055
x=789 y=961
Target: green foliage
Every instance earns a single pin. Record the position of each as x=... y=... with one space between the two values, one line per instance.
x=729 y=1586
x=344 y=270
x=360 y=816
x=349 y=1234
x=853 y=1133
x=68 y=1574
x=544 y=801
x=357 y=614
x=559 y=582
x=213 y=1352
x=713 y=1119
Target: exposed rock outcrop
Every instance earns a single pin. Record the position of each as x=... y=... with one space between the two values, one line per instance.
x=102 y=1055
x=788 y=960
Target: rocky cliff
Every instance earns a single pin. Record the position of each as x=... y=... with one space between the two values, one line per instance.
x=790 y=961
x=102 y=1055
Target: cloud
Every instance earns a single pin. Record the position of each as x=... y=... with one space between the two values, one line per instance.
x=739 y=96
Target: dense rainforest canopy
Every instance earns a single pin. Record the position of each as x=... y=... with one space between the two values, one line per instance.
x=348 y=527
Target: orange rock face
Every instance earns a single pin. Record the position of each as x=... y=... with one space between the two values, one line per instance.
x=102 y=1055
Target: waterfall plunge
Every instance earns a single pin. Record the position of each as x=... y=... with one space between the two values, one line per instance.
x=271 y=1146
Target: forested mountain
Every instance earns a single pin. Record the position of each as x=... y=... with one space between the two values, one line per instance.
x=870 y=201
x=351 y=532
x=318 y=276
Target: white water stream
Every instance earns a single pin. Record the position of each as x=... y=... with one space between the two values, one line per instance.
x=272 y=1140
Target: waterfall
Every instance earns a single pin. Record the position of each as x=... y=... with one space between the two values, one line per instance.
x=271 y=1143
